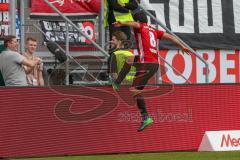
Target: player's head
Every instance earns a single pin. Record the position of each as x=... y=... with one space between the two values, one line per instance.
x=140 y=17
x=118 y=39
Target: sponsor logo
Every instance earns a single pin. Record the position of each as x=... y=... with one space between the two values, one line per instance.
x=228 y=141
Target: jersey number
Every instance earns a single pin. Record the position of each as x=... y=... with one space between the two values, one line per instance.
x=152 y=40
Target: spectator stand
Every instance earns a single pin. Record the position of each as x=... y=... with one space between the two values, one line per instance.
x=85 y=64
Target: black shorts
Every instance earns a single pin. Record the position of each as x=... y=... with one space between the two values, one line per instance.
x=144 y=71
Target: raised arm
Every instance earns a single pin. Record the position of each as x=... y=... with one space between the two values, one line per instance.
x=135 y=25
x=28 y=69
x=175 y=41
x=30 y=63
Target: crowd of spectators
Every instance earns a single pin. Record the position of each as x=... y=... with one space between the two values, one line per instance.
x=26 y=69
x=20 y=69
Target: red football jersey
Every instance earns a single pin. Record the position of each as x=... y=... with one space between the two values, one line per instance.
x=147 y=42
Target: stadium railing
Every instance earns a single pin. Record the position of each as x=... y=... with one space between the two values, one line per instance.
x=70 y=57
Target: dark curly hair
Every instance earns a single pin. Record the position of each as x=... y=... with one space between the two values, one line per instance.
x=141 y=17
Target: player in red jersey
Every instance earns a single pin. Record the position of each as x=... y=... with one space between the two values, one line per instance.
x=147 y=45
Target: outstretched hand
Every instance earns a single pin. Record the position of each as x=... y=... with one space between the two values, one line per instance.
x=117 y=24
x=185 y=50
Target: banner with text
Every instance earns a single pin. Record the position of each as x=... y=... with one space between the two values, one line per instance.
x=5 y=21
x=4 y=17
x=202 y=24
x=56 y=31
x=226 y=140
x=224 y=66
x=67 y=7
